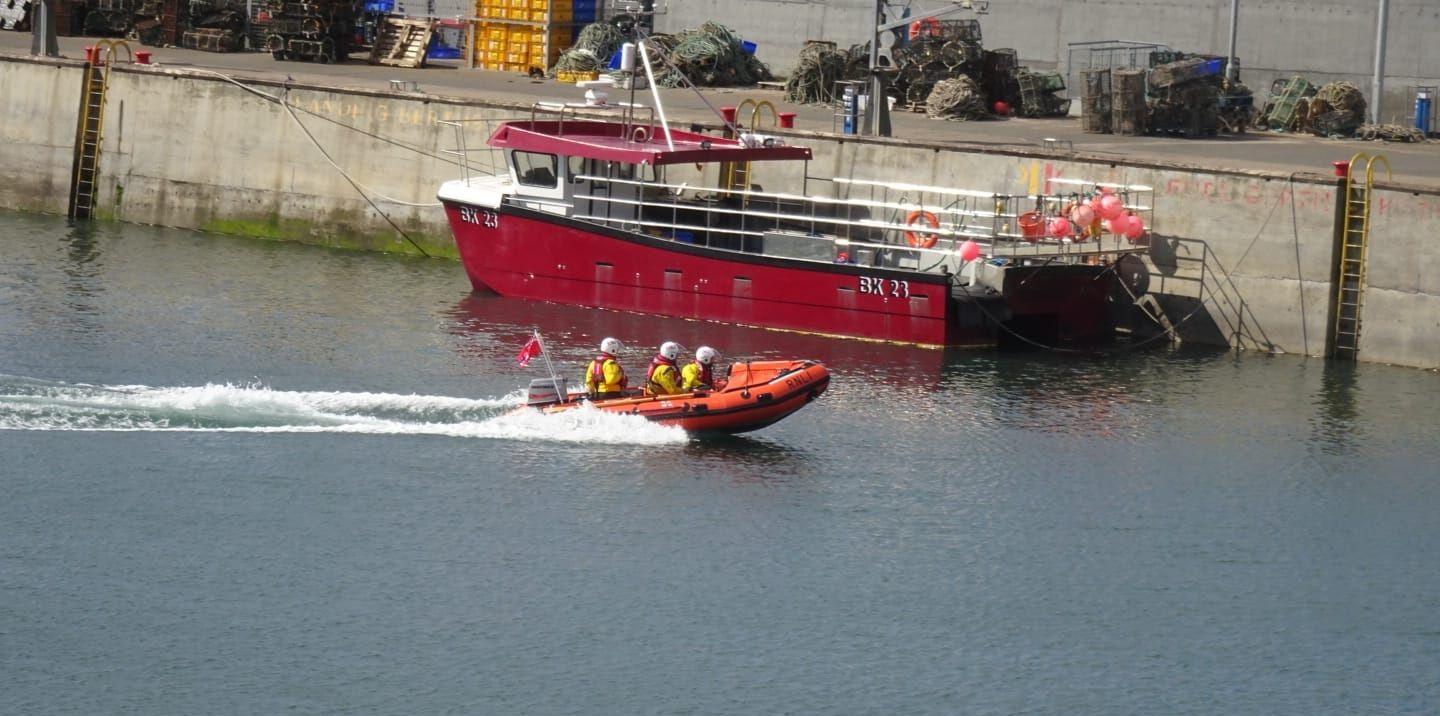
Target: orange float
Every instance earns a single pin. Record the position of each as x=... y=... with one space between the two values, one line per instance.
x=754 y=394
x=922 y=240
x=928 y=26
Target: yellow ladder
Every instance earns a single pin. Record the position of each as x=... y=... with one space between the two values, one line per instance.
x=1354 y=242
x=85 y=169
x=735 y=176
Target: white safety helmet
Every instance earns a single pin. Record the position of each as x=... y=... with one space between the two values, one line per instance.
x=670 y=349
x=611 y=346
x=705 y=355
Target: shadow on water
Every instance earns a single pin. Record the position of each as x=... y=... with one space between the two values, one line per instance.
x=487 y=326
x=1336 y=424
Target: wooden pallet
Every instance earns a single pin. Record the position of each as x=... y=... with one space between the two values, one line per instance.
x=402 y=43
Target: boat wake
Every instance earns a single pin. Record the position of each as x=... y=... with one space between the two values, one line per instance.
x=33 y=404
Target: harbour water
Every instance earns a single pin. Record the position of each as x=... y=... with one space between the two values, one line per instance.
x=247 y=477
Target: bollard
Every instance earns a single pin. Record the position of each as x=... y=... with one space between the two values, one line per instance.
x=92 y=54
x=729 y=114
x=1342 y=168
x=142 y=57
x=787 y=120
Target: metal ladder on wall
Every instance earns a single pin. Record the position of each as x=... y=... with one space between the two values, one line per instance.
x=85 y=169
x=1354 y=242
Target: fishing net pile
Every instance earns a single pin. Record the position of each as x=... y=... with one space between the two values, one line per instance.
x=820 y=66
x=1390 y=133
x=956 y=98
x=591 y=51
x=1337 y=109
x=708 y=56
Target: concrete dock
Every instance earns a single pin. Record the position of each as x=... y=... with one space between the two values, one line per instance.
x=1266 y=152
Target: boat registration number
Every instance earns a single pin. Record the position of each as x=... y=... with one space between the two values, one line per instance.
x=884 y=287
x=482 y=217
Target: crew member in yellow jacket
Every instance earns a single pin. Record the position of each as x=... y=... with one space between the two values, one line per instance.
x=698 y=375
x=663 y=377
x=605 y=378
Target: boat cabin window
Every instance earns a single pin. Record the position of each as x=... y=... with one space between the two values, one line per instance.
x=535 y=169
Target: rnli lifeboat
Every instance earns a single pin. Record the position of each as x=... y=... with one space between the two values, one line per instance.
x=754 y=394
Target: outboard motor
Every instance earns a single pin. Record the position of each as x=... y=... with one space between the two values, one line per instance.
x=545 y=391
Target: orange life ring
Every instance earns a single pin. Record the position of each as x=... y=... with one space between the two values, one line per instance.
x=921 y=241
x=928 y=26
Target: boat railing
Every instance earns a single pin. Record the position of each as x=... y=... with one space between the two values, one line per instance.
x=629 y=115
x=494 y=159
x=746 y=217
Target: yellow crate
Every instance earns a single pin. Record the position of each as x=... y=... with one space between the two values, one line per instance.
x=519 y=4
x=496 y=31
x=516 y=58
x=521 y=45
x=558 y=38
x=491 y=8
x=569 y=77
x=518 y=13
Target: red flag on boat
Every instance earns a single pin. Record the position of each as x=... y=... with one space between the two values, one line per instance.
x=531 y=349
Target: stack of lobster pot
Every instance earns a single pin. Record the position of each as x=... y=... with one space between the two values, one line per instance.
x=1128 y=111
x=1095 y=103
x=315 y=31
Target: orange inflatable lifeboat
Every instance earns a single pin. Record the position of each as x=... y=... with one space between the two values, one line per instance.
x=754 y=394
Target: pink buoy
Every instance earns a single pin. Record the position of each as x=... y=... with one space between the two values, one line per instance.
x=1059 y=227
x=1136 y=229
x=1111 y=206
x=969 y=251
x=1118 y=225
x=1082 y=215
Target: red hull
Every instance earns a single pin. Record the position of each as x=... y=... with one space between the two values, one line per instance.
x=535 y=255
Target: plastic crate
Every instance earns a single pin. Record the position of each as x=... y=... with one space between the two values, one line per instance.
x=491 y=8
x=569 y=77
x=583 y=10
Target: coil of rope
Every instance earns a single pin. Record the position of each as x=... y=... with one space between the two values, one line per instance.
x=591 y=51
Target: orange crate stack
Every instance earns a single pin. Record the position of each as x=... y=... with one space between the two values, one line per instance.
x=517 y=35
x=491 y=9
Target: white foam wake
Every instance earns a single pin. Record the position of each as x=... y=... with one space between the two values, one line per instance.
x=29 y=404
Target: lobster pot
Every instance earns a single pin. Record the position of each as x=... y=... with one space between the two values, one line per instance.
x=1127 y=114
x=1095 y=114
x=1096 y=83
x=1128 y=89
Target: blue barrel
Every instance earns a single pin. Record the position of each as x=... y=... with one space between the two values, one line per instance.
x=1423 y=102
x=849 y=107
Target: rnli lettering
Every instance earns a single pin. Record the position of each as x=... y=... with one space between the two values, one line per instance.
x=798 y=380
x=480 y=217
x=873 y=286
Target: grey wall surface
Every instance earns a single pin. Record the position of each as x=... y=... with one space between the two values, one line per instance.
x=1239 y=258
x=1325 y=40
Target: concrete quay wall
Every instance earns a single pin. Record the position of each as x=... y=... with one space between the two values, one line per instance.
x=1325 y=40
x=1243 y=259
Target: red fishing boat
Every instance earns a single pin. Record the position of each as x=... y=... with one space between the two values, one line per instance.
x=601 y=204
